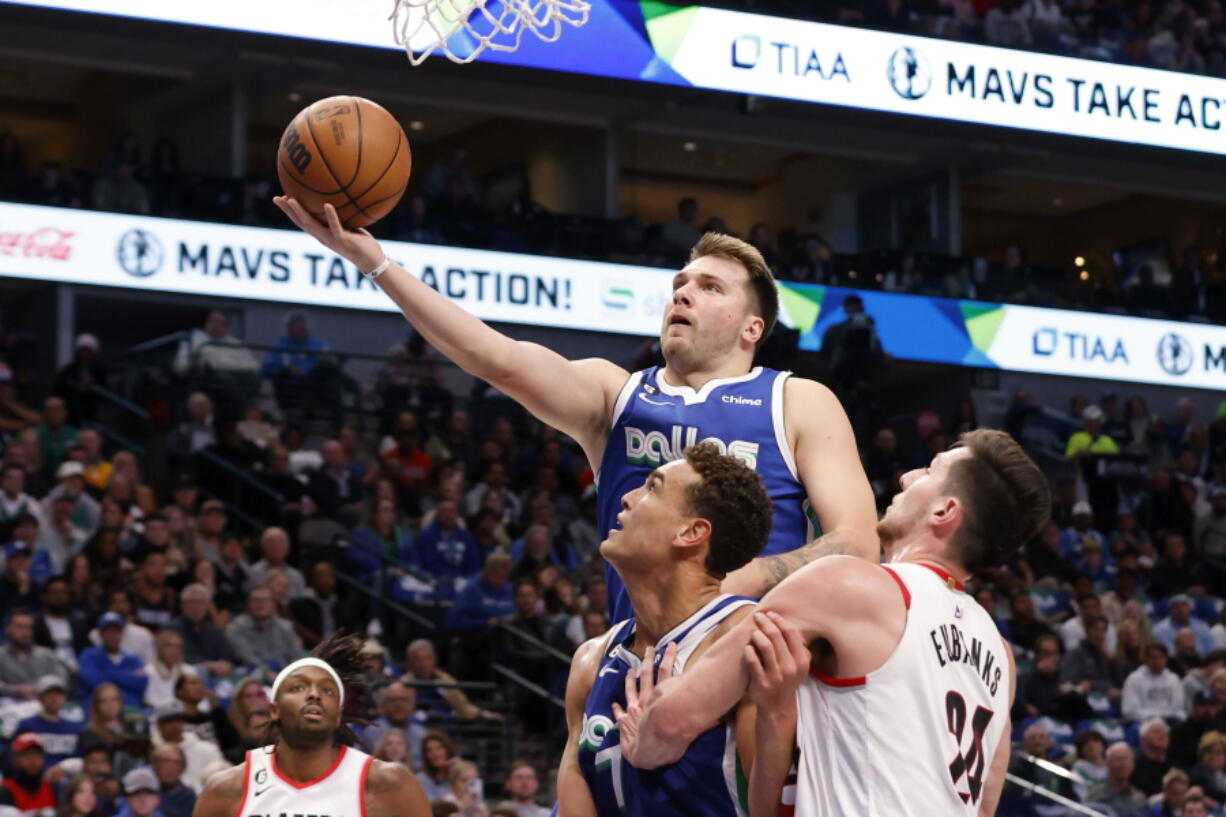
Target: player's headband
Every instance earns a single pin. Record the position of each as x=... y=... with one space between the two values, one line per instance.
x=309 y=662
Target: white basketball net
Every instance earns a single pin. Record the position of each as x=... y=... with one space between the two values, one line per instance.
x=462 y=29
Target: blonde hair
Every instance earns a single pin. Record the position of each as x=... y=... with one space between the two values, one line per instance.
x=1208 y=741
x=761 y=283
x=458 y=769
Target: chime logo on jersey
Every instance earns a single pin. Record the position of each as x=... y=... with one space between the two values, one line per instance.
x=654 y=448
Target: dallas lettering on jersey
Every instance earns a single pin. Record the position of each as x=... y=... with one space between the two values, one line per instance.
x=654 y=448
x=957 y=650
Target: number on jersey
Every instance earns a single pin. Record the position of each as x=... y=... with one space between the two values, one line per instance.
x=970 y=762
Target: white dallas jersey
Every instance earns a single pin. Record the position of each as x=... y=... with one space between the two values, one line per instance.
x=339 y=792
x=915 y=737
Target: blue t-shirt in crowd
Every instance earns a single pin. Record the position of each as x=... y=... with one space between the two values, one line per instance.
x=477 y=603
x=448 y=553
x=59 y=738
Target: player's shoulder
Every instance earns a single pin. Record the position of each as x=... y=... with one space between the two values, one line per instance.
x=838 y=582
x=384 y=776
x=606 y=372
x=810 y=394
x=223 y=793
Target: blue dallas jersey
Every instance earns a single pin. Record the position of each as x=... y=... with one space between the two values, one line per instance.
x=654 y=421
x=705 y=782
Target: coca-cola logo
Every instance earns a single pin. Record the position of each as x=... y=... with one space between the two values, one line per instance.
x=50 y=243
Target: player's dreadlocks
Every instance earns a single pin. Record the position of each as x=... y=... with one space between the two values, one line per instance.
x=344 y=654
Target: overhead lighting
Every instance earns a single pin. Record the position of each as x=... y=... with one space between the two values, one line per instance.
x=1084 y=275
x=417 y=124
x=690 y=147
x=1079 y=261
x=294 y=96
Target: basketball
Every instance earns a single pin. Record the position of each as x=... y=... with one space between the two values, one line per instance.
x=348 y=151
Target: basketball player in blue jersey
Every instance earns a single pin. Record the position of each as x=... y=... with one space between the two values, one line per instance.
x=793 y=432
x=693 y=521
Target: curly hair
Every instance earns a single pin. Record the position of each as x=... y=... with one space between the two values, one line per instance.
x=732 y=498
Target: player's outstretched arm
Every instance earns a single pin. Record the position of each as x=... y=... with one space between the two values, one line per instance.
x=575 y=397
x=222 y=795
x=574 y=796
x=829 y=467
x=393 y=791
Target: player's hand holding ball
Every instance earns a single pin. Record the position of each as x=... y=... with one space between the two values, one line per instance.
x=343 y=163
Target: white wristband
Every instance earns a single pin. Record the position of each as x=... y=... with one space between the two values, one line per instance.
x=379 y=270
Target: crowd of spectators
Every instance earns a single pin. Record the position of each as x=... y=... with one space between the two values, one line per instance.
x=451 y=207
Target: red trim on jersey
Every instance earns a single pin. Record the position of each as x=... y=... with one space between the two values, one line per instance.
x=242 y=801
x=906 y=594
x=830 y=680
x=335 y=763
x=949 y=580
x=362 y=784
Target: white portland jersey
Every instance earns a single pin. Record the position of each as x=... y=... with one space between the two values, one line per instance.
x=339 y=792
x=916 y=737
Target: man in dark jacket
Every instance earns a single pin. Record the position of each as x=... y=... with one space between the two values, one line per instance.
x=203 y=642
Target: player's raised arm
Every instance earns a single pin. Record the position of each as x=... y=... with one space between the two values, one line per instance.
x=575 y=397
x=829 y=467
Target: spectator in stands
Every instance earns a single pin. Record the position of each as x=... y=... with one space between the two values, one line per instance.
x=58 y=626
x=136 y=639
x=166 y=669
x=57 y=735
x=169 y=762
x=1036 y=741
x=259 y=637
x=1089 y=668
x=1210 y=770
x=391 y=748
x=397 y=713
x=336 y=488
x=1174 y=795
x=1131 y=645
x=76 y=380
x=233 y=572
x=406 y=463
x=18 y=589
x=438 y=756
x=1117 y=791
x=141 y=794
x=156 y=603
x=1073 y=631
x=79 y=798
x=1151 y=763
x=201 y=713
x=274 y=544
x=434 y=688
x=299 y=367
x=14 y=178
x=1209 y=532
x=1179 y=615
x=495 y=478
x=22 y=662
x=14 y=501
x=445 y=550
x=86 y=512
x=320 y=608
x=681 y=235
x=1040 y=692
x=171 y=729
x=1153 y=691
x=28 y=792
x=228 y=369
x=522 y=784
x=118 y=190
x=53 y=189
x=1091 y=762
x=381 y=541
x=197 y=432
x=105 y=726
x=1175 y=571
x=109 y=664
x=465 y=791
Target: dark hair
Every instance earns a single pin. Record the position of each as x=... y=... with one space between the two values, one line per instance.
x=1093 y=621
x=761 y=282
x=11 y=466
x=731 y=497
x=1156 y=645
x=519 y=764
x=441 y=737
x=1089 y=736
x=1005 y=499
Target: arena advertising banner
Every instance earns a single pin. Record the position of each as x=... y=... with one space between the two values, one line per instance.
x=286 y=266
x=169 y=255
x=769 y=56
x=1019 y=338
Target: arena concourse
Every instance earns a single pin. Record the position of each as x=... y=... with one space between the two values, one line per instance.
x=202 y=482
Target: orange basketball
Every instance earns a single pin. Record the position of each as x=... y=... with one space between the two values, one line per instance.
x=348 y=151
